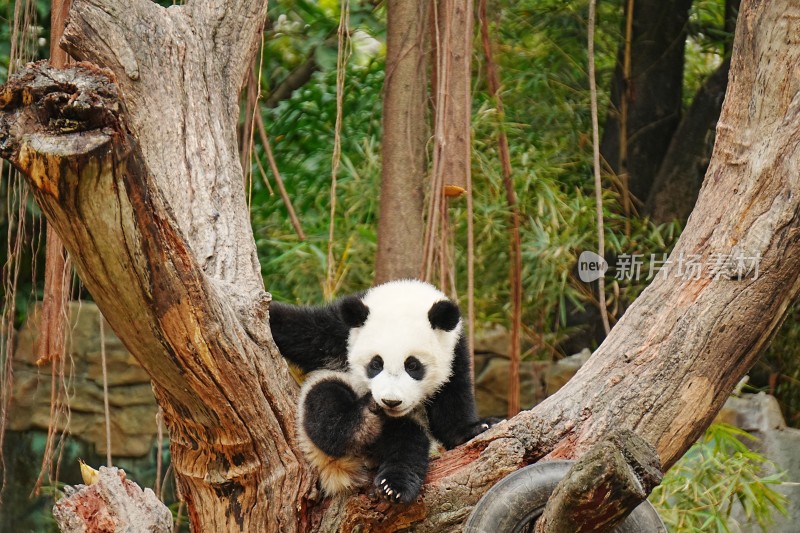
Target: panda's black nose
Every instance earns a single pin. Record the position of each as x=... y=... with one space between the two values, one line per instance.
x=391 y=403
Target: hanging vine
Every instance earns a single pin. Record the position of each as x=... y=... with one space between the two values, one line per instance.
x=515 y=240
x=332 y=280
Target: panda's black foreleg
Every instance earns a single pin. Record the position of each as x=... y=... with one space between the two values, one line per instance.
x=314 y=337
x=451 y=412
x=337 y=420
x=402 y=454
x=452 y=416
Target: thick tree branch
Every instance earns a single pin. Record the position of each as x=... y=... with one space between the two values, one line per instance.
x=193 y=57
x=403 y=158
x=212 y=375
x=233 y=28
x=603 y=487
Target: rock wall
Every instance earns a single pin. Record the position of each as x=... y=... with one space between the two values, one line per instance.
x=538 y=379
x=132 y=406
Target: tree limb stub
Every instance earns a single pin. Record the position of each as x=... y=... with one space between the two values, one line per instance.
x=181 y=69
x=603 y=487
x=111 y=503
x=65 y=131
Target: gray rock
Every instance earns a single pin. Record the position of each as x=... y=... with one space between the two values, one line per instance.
x=760 y=415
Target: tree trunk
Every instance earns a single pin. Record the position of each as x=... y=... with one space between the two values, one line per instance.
x=404 y=162
x=208 y=354
x=158 y=233
x=653 y=92
x=678 y=181
x=452 y=91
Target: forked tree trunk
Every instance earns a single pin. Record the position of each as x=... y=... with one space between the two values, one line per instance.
x=149 y=202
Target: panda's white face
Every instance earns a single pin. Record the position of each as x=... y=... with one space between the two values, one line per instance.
x=402 y=358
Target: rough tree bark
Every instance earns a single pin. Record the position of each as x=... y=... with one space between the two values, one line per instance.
x=158 y=231
x=403 y=158
x=602 y=487
x=163 y=242
x=452 y=91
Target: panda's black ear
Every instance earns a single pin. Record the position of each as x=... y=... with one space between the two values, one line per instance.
x=354 y=311
x=444 y=315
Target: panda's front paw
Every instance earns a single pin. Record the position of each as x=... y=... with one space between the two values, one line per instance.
x=397 y=486
x=371 y=405
x=482 y=425
x=486 y=423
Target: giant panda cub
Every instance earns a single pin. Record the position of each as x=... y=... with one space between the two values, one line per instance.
x=388 y=369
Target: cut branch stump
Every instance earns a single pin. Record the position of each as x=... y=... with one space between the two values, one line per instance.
x=603 y=487
x=111 y=503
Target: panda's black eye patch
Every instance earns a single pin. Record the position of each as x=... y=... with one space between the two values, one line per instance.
x=414 y=368
x=374 y=367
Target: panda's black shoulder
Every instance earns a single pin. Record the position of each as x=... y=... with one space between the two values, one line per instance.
x=315 y=336
x=461 y=364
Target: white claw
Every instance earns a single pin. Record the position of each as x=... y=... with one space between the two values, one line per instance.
x=398 y=496
x=383 y=481
x=389 y=492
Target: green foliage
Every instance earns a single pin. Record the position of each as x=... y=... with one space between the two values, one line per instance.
x=705 y=45
x=540 y=49
x=700 y=491
x=34 y=39
x=707 y=26
x=303 y=29
x=302 y=131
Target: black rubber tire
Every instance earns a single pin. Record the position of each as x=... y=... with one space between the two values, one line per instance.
x=520 y=498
